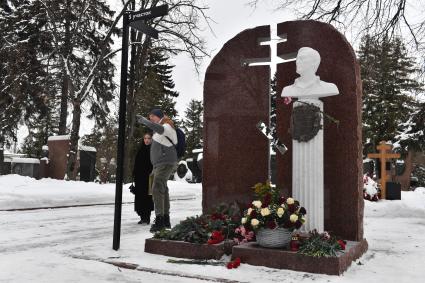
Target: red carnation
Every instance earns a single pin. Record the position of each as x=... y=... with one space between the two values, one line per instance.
x=292 y=208
x=253 y=214
x=218 y=216
x=282 y=200
x=271 y=224
x=298 y=224
x=342 y=244
x=216 y=237
x=234 y=264
x=266 y=201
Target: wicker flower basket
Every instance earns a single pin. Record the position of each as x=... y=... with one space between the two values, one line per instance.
x=273 y=238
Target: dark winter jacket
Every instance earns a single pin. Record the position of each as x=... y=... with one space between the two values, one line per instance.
x=162 y=150
x=141 y=171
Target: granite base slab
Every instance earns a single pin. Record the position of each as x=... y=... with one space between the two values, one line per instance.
x=187 y=250
x=253 y=254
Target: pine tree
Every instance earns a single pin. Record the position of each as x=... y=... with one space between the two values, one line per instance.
x=25 y=83
x=155 y=90
x=388 y=89
x=41 y=128
x=104 y=139
x=82 y=37
x=411 y=135
x=157 y=87
x=193 y=126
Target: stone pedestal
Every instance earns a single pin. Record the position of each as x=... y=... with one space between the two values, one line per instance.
x=307 y=175
x=252 y=254
x=342 y=143
x=58 y=151
x=187 y=250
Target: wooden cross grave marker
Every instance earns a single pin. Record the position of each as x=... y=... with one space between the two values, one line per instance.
x=384 y=154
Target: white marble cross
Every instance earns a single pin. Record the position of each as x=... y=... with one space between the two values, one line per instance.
x=272 y=62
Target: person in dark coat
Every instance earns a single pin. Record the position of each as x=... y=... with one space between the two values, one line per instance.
x=143 y=203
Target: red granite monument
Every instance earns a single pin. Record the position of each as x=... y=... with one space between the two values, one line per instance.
x=236 y=153
x=236 y=98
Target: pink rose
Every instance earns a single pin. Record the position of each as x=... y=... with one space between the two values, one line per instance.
x=287 y=100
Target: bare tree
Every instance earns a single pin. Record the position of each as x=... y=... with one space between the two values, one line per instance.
x=179 y=32
x=377 y=18
x=80 y=91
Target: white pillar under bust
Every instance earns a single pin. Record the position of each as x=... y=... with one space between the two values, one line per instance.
x=307 y=152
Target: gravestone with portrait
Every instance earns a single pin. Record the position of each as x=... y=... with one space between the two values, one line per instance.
x=323 y=163
x=307 y=135
x=236 y=97
x=315 y=159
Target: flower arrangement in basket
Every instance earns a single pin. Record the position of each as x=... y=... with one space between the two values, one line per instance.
x=273 y=217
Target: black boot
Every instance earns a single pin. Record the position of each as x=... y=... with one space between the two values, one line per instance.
x=145 y=218
x=158 y=224
x=144 y=221
x=167 y=223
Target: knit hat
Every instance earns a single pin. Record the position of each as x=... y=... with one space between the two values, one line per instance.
x=157 y=112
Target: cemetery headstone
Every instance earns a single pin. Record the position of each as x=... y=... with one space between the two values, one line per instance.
x=58 y=156
x=383 y=155
x=237 y=101
x=342 y=142
x=307 y=135
x=7 y=166
x=193 y=166
x=1 y=160
x=393 y=191
x=183 y=173
x=25 y=167
x=404 y=170
x=87 y=163
x=236 y=97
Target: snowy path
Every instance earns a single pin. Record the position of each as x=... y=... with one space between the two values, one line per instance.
x=69 y=244
x=39 y=245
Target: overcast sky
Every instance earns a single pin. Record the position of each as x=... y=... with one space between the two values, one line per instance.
x=231 y=18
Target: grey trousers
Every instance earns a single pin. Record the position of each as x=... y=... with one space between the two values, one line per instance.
x=161 y=197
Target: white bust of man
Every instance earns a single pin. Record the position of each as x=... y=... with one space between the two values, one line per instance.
x=308 y=85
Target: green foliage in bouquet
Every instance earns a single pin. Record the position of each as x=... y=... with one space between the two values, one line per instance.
x=271 y=210
x=210 y=228
x=192 y=229
x=321 y=245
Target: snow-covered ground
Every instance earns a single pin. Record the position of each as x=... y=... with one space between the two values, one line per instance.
x=17 y=192
x=69 y=244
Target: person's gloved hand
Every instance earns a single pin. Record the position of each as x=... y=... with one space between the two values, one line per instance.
x=140 y=119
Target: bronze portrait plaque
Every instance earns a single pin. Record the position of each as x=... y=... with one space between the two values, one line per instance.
x=305 y=122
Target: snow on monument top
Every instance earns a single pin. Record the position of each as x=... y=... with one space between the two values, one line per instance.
x=59 y=138
x=87 y=148
x=25 y=160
